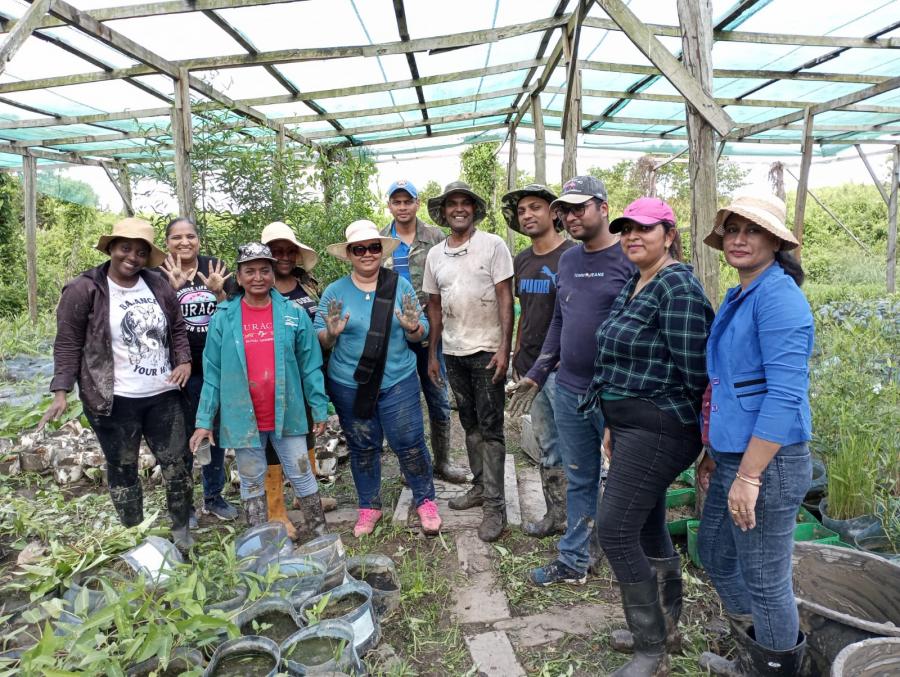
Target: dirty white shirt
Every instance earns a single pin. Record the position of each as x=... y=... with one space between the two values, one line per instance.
x=465 y=277
x=140 y=341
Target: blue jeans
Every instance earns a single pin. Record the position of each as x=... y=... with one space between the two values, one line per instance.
x=213 y=473
x=751 y=570
x=437 y=398
x=580 y=436
x=544 y=425
x=292 y=452
x=398 y=416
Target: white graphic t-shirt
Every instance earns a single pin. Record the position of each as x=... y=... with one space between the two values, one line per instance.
x=140 y=341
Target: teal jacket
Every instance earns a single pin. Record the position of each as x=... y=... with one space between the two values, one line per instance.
x=298 y=375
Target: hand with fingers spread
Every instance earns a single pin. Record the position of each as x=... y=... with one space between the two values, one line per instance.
x=409 y=317
x=178 y=276
x=215 y=281
x=335 y=320
x=523 y=397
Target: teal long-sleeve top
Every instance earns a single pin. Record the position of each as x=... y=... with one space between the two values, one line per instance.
x=298 y=375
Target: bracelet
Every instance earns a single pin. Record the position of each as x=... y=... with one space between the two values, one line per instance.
x=757 y=483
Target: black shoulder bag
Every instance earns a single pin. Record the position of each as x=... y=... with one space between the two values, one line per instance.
x=370 y=369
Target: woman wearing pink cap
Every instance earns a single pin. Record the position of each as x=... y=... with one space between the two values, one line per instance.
x=649 y=379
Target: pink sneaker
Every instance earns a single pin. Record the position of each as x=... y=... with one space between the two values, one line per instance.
x=428 y=516
x=365 y=523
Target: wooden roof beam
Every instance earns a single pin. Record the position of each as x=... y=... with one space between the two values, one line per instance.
x=55 y=156
x=391 y=126
x=403 y=29
x=22 y=30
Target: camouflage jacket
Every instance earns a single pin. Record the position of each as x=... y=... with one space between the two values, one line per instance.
x=426 y=237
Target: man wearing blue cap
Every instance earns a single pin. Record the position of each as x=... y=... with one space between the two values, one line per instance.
x=416 y=238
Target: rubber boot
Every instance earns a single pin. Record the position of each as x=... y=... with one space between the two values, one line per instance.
x=753 y=659
x=668 y=577
x=129 y=503
x=440 y=453
x=275 y=500
x=257 y=510
x=179 y=499
x=493 y=521
x=645 y=618
x=553 y=482
x=313 y=515
x=475 y=496
x=329 y=503
x=595 y=550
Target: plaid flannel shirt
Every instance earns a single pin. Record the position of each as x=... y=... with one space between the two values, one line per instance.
x=653 y=346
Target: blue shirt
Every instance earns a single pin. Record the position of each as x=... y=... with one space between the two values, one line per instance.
x=401 y=256
x=758 y=362
x=401 y=361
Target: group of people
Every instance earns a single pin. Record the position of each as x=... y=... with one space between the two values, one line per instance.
x=617 y=350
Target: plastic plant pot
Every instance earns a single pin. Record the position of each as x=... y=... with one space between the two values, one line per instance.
x=244 y=656
x=303 y=577
x=329 y=551
x=181 y=660
x=804 y=516
x=851 y=529
x=352 y=603
x=259 y=544
x=693 y=527
x=677 y=497
x=271 y=617
x=324 y=648
x=154 y=558
x=880 y=546
x=844 y=596
x=876 y=657
x=813 y=531
x=381 y=575
x=234 y=602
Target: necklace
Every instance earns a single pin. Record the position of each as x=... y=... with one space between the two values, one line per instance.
x=368 y=296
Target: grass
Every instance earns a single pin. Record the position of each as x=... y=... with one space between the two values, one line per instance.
x=20 y=336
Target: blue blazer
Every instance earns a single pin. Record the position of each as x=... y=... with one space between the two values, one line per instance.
x=758 y=362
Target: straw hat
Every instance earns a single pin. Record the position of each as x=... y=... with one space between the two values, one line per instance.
x=767 y=211
x=361 y=231
x=436 y=204
x=278 y=230
x=134 y=229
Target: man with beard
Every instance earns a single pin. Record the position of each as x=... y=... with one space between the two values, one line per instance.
x=470 y=308
x=527 y=211
x=590 y=278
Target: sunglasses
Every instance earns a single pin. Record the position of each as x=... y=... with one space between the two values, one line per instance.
x=563 y=210
x=361 y=249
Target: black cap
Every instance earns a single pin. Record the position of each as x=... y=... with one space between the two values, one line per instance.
x=580 y=189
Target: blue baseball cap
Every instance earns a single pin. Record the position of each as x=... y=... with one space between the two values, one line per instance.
x=403 y=184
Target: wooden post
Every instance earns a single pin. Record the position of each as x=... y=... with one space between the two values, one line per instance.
x=803 y=181
x=892 y=224
x=182 y=136
x=776 y=179
x=695 y=17
x=573 y=120
x=29 y=170
x=540 y=144
x=512 y=172
x=875 y=179
x=125 y=183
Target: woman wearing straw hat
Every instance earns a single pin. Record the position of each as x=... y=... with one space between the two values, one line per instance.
x=366 y=319
x=120 y=336
x=759 y=466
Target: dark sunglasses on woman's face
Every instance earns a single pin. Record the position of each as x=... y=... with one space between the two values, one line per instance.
x=361 y=249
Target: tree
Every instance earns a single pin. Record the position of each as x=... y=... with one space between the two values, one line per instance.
x=484 y=173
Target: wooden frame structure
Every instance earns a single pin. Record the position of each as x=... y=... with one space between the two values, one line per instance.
x=705 y=123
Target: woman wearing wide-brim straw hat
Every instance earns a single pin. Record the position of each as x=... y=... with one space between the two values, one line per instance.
x=121 y=337
x=758 y=468
x=366 y=319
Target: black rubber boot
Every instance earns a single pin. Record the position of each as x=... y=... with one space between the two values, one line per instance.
x=645 y=618
x=313 y=515
x=493 y=521
x=553 y=482
x=471 y=499
x=129 y=503
x=179 y=498
x=474 y=497
x=257 y=510
x=753 y=659
x=668 y=576
x=440 y=454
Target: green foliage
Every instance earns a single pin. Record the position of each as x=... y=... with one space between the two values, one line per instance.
x=426 y=192
x=480 y=168
x=55 y=184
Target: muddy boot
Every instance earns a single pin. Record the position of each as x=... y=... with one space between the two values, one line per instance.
x=129 y=503
x=257 y=511
x=313 y=515
x=553 y=482
x=473 y=498
x=645 y=618
x=440 y=454
x=494 y=510
x=753 y=659
x=492 y=525
x=275 y=500
x=179 y=499
x=329 y=503
x=668 y=577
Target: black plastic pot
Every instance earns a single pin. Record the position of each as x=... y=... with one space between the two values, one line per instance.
x=233 y=602
x=870 y=658
x=303 y=578
x=325 y=654
x=181 y=660
x=819 y=483
x=878 y=545
x=853 y=528
x=362 y=617
x=844 y=596
x=266 y=610
x=381 y=574
x=245 y=656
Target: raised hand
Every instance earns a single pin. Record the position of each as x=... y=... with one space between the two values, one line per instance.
x=178 y=277
x=335 y=321
x=215 y=281
x=409 y=317
x=523 y=396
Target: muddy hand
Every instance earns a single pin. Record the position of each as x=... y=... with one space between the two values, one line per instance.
x=523 y=397
x=55 y=410
x=409 y=317
x=334 y=321
x=197 y=438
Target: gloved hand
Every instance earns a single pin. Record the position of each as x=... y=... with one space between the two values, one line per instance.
x=523 y=397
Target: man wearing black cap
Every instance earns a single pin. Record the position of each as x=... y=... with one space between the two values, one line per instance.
x=469 y=281
x=527 y=211
x=416 y=239
x=590 y=278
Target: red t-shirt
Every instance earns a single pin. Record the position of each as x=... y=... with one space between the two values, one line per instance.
x=259 y=347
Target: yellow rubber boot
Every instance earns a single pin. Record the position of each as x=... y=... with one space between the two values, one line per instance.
x=275 y=500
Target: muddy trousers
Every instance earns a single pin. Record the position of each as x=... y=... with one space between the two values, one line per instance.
x=650 y=448
x=158 y=419
x=481 y=403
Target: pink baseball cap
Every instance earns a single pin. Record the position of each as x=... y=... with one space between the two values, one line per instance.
x=646 y=211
